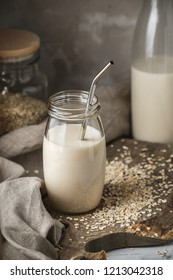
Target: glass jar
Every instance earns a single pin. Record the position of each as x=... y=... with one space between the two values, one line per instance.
x=19 y=70
x=74 y=169
x=152 y=73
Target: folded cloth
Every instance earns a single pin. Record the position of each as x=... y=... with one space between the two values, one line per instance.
x=28 y=231
x=9 y=170
x=22 y=140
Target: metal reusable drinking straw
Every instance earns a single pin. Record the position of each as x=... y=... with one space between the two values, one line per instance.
x=91 y=95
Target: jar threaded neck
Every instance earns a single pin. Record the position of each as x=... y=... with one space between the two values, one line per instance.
x=70 y=105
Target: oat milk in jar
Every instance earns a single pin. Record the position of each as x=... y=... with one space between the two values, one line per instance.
x=74 y=169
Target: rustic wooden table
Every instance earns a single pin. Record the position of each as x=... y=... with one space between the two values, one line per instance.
x=137 y=201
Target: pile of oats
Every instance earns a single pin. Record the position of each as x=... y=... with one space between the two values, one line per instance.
x=132 y=193
x=17 y=110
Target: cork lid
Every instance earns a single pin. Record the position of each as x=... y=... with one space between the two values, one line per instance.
x=17 y=43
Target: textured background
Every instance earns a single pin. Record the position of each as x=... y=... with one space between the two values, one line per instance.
x=78 y=37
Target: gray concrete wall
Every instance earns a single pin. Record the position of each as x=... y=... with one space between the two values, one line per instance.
x=78 y=37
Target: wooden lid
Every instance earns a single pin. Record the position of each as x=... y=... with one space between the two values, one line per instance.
x=17 y=43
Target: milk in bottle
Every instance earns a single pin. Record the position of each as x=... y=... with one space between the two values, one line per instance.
x=152 y=101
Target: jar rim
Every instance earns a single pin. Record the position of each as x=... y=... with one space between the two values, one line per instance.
x=59 y=105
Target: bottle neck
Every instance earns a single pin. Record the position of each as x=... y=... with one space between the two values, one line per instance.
x=153 y=37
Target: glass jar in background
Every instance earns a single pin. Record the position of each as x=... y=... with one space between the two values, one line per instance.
x=152 y=73
x=19 y=70
x=74 y=169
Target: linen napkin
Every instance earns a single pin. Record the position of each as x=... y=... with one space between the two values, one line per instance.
x=22 y=140
x=9 y=170
x=27 y=229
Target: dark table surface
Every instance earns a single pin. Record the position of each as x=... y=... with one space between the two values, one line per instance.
x=33 y=164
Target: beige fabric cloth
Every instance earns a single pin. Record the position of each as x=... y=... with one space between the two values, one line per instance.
x=27 y=229
x=22 y=140
x=9 y=170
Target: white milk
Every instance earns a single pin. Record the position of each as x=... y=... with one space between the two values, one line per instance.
x=152 y=102
x=74 y=170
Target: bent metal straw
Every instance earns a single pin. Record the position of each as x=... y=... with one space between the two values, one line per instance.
x=91 y=95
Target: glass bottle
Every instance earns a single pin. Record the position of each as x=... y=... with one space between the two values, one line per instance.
x=152 y=73
x=19 y=69
x=74 y=169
